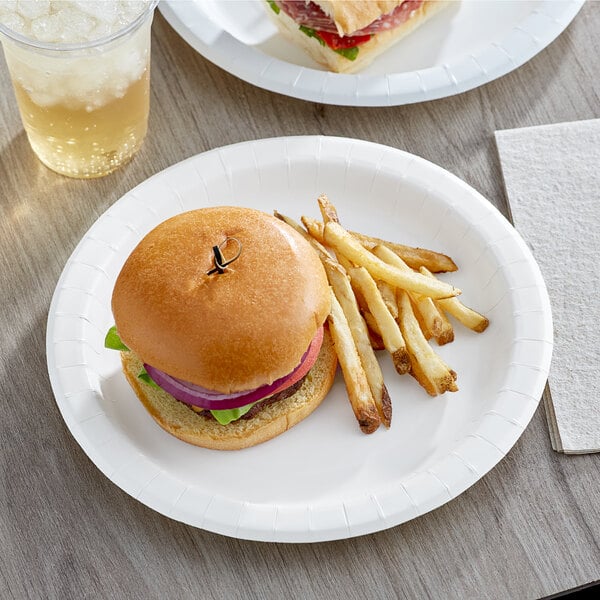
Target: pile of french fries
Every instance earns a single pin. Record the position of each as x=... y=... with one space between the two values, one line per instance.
x=385 y=296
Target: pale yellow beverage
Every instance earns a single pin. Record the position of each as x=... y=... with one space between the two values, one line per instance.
x=84 y=103
x=81 y=143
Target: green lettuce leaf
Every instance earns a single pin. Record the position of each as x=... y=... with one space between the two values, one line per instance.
x=274 y=6
x=349 y=53
x=113 y=341
x=311 y=33
x=143 y=375
x=233 y=414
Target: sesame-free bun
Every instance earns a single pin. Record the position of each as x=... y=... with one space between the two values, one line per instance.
x=181 y=421
x=230 y=331
x=368 y=51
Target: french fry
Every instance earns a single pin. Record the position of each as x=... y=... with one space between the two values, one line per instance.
x=390 y=331
x=342 y=289
x=402 y=361
x=389 y=297
x=413 y=257
x=328 y=210
x=384 y=296
x=433 y=322
x=374 y=335
x=357 y=386
x=314 y=227
x=343 y=243
x=446 y=334
x=465 y=315
x=426 y=323
x=427 y=367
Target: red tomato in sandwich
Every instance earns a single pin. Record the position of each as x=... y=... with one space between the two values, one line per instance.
x=335 y=42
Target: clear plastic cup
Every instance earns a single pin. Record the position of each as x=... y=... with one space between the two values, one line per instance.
x=84 y=105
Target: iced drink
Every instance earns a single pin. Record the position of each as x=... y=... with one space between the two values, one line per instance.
x=80 y=72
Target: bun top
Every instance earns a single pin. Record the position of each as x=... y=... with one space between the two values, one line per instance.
x=230 y=331
x=352 y=15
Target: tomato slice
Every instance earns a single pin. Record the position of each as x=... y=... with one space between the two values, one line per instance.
x=336 y=42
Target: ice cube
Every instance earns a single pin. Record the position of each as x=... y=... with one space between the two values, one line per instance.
x=105 y=12
x=47 y=28
x=76 y=26
x=32 y=9
x=14 y=22
x=8 y=6
x=132 y=66
x=44 y=99
x=85 y=86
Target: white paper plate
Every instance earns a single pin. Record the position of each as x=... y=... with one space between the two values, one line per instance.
x=323 y=479
x=464 y=46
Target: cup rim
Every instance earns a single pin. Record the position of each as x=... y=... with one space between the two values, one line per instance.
x=54 y=46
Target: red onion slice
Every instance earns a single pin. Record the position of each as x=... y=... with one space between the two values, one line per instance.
x=211 y=400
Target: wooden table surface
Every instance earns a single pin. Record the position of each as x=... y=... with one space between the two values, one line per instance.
x=528 y=529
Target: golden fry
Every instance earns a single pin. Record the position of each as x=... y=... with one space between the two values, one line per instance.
x=465 y=315
x=328 y=210
x=384 y=295
x=343 y=243
x=374 y=334
x=415 y=258
x=390 y=331
x=433 y=322
x=446 y=334
x=314 y=227
x=389 y=297
x=427 y=367
x=357 y=386
x=342 y=289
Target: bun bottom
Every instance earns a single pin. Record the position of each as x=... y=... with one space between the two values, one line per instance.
x=182 y=422
x=378 y=44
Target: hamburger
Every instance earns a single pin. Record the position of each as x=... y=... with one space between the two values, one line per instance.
x=346 y=35
x=220 y=319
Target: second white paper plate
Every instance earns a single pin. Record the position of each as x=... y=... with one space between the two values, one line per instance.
x=464 y=46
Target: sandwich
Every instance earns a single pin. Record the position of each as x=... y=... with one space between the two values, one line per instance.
x=346 y=35
x=220 y=320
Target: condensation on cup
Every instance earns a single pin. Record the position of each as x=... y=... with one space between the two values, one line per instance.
x=81 y=74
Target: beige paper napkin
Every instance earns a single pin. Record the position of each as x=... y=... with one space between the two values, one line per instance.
x=552 y=179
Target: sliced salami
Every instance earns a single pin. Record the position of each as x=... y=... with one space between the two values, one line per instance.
x=307 y=14
x=394 y=19
x=311 y=15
